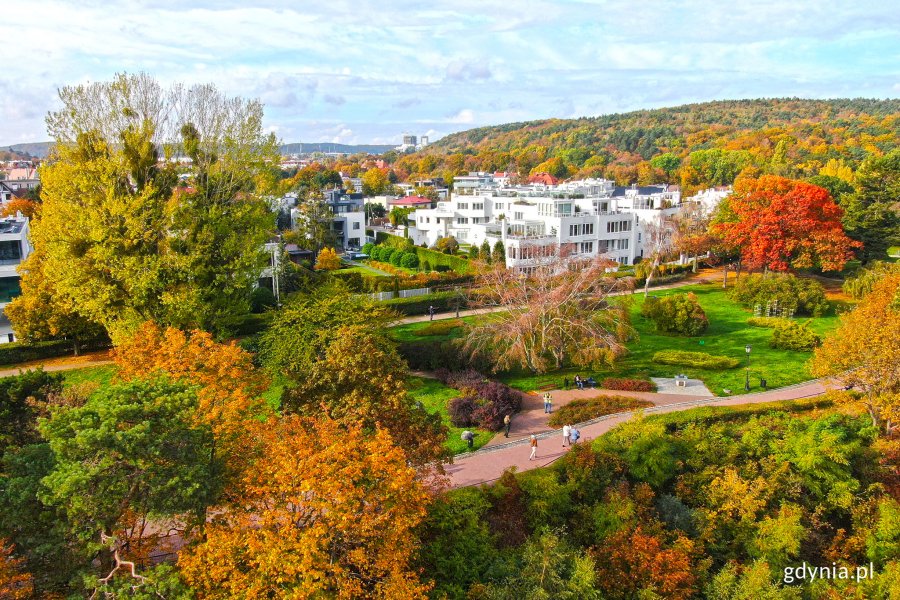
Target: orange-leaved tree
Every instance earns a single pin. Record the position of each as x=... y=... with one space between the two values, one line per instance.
x=782 y=224
x=862 y=351
x=27 y=207
x=15 y=581
x=230 y=387
x=329 y=512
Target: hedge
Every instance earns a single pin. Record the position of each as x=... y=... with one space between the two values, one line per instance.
x=434 y=258
x=250 y=324
x=418 y=305
x=581 y=410
x=765 y=321
x=18 y=352
x=628 y=385
x=701 y=360
x=791 y=335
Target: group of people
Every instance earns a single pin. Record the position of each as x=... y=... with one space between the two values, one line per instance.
x=581 y=382
x=570 y=436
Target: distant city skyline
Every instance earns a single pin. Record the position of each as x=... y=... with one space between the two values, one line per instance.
x=364 y=72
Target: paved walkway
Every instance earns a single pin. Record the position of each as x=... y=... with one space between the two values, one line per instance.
x=533 y=419
x=489 y=463
x=63 y=363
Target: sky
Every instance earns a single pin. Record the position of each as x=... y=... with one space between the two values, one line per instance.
x=366 y=71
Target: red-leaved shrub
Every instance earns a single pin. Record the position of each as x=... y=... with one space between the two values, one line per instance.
x=628 y=385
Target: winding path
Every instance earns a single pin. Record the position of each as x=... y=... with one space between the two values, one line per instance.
x=489 y=463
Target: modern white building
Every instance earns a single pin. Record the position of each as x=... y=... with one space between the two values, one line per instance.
x=349 y=218
x=14 y=248
x=589 y=218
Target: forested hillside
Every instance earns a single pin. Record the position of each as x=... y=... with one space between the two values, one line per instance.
x=695 y=145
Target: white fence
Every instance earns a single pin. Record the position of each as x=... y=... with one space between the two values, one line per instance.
x=380 y=296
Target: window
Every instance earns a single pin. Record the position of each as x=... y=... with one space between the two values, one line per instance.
x=462 y=220
x=588 y=228
x=463 y=206
x=356 y=225
x=587 y=247
x=573 y=230
x=478 y=206
x=518 y=216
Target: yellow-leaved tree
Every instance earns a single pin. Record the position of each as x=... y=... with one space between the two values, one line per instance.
x=327 y=260
x=329 y=512
x=863 y=351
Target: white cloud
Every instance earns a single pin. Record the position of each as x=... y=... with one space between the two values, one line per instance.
x=377 y=68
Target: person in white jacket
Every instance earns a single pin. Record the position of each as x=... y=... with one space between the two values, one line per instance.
x=567 y=435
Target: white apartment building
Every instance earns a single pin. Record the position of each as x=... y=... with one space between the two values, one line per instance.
x=590 y=217
x=14 y=248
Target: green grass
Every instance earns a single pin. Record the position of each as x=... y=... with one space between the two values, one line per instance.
x=363 y=270
x=727 y=335
x=101 y=375
x=434 y=396
x=408 y=332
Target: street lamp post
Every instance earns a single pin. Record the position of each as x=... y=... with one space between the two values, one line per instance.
x=748 y=348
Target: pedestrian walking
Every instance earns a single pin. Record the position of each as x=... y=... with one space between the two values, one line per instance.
x=469 y=437
x=431 y=313
x=507 y=421
x=567 y=432
x=533 y=447
x=575 y=435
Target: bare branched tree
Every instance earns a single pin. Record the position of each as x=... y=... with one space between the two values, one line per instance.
x=658 y=237
x=554 y=313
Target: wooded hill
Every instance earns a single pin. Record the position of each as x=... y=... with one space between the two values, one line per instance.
x=695 y=144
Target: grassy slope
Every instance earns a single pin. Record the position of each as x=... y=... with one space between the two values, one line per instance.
x=434 y=395
x=727 y=335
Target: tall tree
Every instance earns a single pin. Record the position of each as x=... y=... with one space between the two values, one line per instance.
x=329 y=512
x=375 y=181
x=362 y=379
x=552 y=316
x=41 y=313
x=130 y=455
x=659 y=235
x=229 y=387
x=121 y=243
x=862 y=351
x=782 y=224
x=872 y=213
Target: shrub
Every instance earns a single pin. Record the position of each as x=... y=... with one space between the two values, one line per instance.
x=678 y=313
x=367 y=248
x=701 y=360
x=791 y=335
x=409 y=260
x=804 y=296
x=397 y=257
x=462 y=411
x=628 y=385
x=585 y=409
x=260 y=299
x=466 y=381
x=426 y=265
x=764 y=321
x=375 y=253
x=386 y=254
x=439 y=328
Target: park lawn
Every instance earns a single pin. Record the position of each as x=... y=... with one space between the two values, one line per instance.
x=362 y=270
x=408 y=332
x=434 y=396
x=102 y=375
x=727 y=335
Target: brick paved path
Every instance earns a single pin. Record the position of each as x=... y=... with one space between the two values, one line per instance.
x=488 y=464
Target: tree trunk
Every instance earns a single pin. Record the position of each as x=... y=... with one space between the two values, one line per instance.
x=650 y=276
x=76 y=346
x=725 y=276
